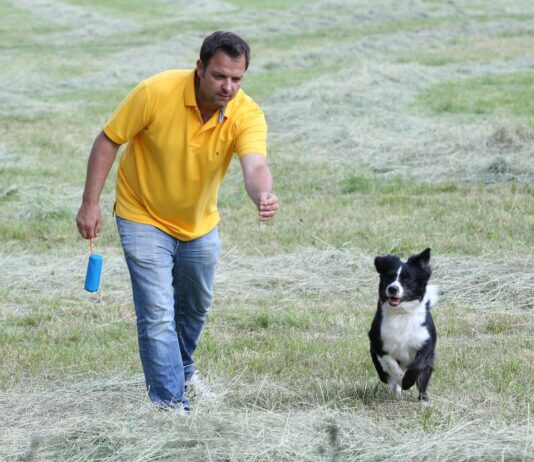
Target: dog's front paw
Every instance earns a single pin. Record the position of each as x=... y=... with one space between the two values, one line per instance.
x=398 y=392
x=397 y=389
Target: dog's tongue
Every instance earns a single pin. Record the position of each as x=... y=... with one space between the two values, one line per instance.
x=394 y=301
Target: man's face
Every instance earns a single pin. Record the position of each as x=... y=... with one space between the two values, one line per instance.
x=220 y=80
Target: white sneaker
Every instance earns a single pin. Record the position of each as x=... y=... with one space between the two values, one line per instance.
x=179 y=409
x=196 y=388
x=182 y=411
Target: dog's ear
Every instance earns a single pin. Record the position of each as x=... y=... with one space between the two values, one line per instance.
x=422 y=259
x=379 y=264
x=384 y=264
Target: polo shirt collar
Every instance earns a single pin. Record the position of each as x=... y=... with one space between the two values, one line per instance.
x=189 y=91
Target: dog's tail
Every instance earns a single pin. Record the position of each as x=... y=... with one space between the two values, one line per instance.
x=431 y=296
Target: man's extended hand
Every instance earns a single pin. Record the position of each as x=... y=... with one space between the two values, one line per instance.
x=268 y=205
x=259 y=183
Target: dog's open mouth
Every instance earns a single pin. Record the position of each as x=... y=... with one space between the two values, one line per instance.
x=394 y=301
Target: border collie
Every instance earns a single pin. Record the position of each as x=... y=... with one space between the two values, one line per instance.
x=402 y=335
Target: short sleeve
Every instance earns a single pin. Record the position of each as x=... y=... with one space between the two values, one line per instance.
x=130 y=117
x=252 y=134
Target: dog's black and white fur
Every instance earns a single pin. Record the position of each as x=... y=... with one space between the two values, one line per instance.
x=402 y=335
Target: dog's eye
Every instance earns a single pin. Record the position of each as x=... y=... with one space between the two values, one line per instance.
x=405 y=276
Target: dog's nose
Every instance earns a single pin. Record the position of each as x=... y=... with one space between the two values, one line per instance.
x=393 y=290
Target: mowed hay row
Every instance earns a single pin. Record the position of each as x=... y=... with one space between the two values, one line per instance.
x=483 y=283
x=366 y=116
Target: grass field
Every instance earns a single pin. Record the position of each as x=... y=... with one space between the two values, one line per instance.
x=393 y=126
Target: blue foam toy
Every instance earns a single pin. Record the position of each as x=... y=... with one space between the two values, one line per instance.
x=94 y=270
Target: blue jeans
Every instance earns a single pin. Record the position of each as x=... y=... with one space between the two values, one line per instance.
x=172 y=283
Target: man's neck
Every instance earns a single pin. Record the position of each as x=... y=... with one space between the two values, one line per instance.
x=206 y=111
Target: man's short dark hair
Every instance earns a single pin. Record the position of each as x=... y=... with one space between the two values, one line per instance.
x=228 y=42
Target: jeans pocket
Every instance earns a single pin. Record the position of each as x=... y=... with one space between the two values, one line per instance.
x=141 y=242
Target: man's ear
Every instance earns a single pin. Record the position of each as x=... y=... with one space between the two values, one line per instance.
x=200 y=69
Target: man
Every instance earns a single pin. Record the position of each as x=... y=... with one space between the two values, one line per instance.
x=182 y=128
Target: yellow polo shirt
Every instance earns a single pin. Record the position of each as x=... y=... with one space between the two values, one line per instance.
x=170 y=172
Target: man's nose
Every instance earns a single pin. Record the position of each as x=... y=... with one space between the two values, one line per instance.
x=227 y=85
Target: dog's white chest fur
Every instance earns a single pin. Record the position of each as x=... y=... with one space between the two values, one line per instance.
x=401 y=329
x=403 y=334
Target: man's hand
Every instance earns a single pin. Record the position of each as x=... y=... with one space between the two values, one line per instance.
x=268 y=205
x=259 y=184
x=89 y=220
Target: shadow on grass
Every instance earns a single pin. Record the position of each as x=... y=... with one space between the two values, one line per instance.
x=375 y=393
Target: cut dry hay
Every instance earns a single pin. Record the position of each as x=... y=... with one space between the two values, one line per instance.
x=110 y=419
x=483 y=283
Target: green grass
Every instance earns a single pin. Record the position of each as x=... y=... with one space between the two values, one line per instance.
x=508 y=94
x=138 y=9
x=275 y=5
x=277 y=78
x=502 y=48
x=377 y=215
x=19 y=27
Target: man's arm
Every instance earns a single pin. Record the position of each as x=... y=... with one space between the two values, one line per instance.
x=259 y=184
x=103 y=153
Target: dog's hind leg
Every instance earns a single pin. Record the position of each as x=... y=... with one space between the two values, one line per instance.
x=422 y=382
x=410 y=377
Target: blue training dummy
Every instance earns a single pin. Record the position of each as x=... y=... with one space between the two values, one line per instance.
x=94 y=271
